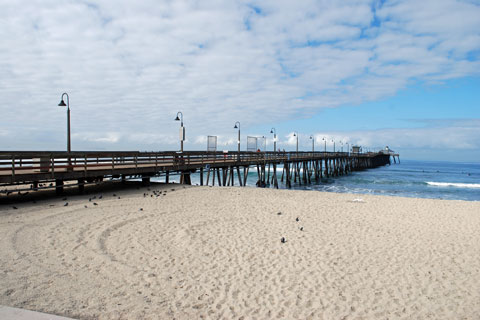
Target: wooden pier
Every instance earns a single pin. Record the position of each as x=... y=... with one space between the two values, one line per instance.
x=51 y=169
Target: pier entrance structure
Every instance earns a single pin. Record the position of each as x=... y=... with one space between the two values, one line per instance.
x=38 y=170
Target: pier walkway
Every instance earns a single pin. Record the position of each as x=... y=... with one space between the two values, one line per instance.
x=51 y=169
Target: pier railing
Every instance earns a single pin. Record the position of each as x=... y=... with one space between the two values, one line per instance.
x=18 y=167
x=12 y=163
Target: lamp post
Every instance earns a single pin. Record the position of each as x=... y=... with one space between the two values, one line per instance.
x=264 y=144
x=333 y=145
x=182 y=129
x=62 y=104
x=295 y=134
x=274 y=139
x=341 y=144
x=238 y=141
x=348 y=148
x=313 y=143
x=325 y=140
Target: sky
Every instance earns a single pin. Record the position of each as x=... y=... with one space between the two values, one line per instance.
x=373 y=73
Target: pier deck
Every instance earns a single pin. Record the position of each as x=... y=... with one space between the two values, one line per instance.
x=31 y=167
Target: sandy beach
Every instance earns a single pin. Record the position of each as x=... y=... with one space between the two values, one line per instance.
x=175 y=252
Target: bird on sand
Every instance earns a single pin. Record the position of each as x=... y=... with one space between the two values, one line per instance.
x=66 y=204
x=297 y=219
x=95 y=204
x=14 y=208
x=283 y=240
x=301 y=228
x=141 y=209
x=279 y=213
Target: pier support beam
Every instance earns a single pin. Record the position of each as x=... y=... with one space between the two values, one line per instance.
x=145 y=180
x=81 y=185
x=185 y=178
x=59 y=186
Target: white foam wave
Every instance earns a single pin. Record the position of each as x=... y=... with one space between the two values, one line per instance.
x=452 y=184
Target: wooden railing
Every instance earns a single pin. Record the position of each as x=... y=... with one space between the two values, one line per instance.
x=16 y=163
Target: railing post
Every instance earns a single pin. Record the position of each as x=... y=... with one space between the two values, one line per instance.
x=13 y=168
x=52 y=161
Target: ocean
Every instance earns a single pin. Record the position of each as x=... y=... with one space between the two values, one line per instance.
x=410 y=178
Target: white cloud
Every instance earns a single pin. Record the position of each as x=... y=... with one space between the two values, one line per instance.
x=130 y=66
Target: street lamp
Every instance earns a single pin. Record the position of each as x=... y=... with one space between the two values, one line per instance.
x=274 y=139
x=313 y=143
x=341 y=143
x=348 y=148
x=62 y=104
x=182 y=129
x=264 y=144
x=238 y=141
x=333 y=145
x=325 y=140
x=295 y=134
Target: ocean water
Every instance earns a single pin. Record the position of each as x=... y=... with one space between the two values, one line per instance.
x=419 y=179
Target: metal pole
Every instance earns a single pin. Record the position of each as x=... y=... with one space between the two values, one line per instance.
x=274 y=139
x=296 y=134
x=238 y=141
x=69 y=144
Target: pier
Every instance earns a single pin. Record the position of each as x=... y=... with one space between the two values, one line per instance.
x=42 y=170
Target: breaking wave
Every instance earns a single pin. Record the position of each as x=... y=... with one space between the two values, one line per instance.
x=453 y=184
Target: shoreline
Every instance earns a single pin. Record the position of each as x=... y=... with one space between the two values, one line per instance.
x=131 y=186
x=215 y=252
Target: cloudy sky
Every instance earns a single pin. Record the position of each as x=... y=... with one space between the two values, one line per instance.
x=399 y=73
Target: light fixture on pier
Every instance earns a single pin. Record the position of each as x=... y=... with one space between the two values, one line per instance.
x=313 y=142
x=274 y=139
x=295 y=134
x=182 y=129
x=62 y=104
x=238 y=141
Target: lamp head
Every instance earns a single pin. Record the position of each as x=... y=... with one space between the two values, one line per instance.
x=271 y=131
x=177 y=118
x=62 y=103
x=294 y=134
x=236 y=127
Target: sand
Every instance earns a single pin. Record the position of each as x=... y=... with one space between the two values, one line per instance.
x=215 y=253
